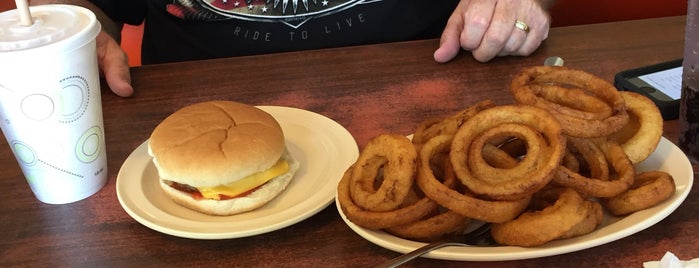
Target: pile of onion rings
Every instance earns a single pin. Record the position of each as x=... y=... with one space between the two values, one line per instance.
x=545 y=168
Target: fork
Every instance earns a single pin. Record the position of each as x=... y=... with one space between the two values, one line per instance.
x=480 y=237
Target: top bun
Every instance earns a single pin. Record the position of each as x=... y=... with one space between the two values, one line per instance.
x=214 y=143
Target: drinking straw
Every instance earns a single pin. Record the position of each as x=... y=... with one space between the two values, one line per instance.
x=25 y=16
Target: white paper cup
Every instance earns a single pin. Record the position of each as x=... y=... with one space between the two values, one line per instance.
x=50 y=101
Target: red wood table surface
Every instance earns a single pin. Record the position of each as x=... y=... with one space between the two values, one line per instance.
x=370 y=90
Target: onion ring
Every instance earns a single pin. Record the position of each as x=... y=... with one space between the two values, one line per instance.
x=528 y=81
x=641 y=135
x=432 y=228
x=464 y=204
x=447 y=126
x=648 y=189
x=538 y=128
x=571 y=162
x=395 y=155
x=476 y=157
x=442 y=223
x=594 y=216
x=597 y=187
x=594 y=159
x=425 y=130
x=497 y=157
x=379 y=220
x=534 y=228
x=572 y=101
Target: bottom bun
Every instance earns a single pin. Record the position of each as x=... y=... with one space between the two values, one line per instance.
x=254 y=200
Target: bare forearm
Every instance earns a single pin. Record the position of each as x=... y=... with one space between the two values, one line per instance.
x=108 y=25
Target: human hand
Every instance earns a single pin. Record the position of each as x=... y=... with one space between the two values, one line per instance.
x=114 y=65
x=487 y=29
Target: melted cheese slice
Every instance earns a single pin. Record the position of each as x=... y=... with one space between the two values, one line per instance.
x=245 y=184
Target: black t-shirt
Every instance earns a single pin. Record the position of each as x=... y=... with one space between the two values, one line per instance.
x=179 y=30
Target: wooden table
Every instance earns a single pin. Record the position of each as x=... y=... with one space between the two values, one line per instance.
x=370 y=90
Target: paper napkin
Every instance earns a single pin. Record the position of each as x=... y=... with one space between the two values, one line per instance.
x=671 y=261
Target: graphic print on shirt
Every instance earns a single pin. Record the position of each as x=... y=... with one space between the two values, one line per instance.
x=293 y=13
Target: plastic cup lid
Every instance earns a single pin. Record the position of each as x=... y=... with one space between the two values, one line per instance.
x=52 y=24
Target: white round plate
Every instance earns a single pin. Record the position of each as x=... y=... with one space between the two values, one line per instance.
x=323 y=147
x=667 y=157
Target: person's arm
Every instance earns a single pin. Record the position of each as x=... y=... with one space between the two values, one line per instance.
x=112 y=60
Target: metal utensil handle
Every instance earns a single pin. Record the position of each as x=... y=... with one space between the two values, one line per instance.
x=415 y=253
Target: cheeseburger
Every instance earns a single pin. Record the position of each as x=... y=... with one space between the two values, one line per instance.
x=221 y=157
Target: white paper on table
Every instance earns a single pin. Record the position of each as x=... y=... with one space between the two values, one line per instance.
x=671 y=261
